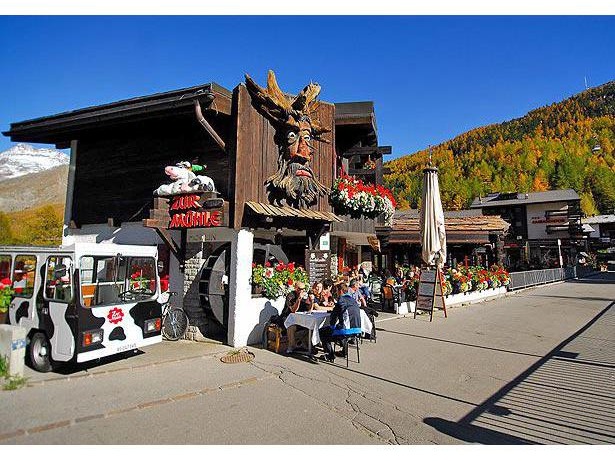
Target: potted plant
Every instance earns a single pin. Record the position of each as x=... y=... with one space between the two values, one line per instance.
x=276 y=280
x=6 y=295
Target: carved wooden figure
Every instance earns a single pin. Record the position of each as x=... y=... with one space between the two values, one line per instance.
x=293 y=183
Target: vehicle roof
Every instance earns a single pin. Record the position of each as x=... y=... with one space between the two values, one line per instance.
x=80 y=249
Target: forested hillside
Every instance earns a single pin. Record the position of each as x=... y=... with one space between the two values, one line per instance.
x=34 y=226
x=569 y=144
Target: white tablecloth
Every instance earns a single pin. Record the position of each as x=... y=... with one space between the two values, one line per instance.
x=315 y=320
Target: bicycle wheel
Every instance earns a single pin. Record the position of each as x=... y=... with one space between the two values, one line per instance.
x=174 y=324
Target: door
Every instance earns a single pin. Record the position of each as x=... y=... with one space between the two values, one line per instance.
x=58 y=316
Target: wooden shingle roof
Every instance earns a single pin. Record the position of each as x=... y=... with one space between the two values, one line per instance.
x=465 y=226
x=267 y=210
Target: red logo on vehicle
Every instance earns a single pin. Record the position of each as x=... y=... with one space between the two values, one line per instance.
x=115 y=315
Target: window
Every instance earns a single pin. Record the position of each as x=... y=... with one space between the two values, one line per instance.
x=5 y=267
x=24 y=275
x=116 y=279
x=58 y=280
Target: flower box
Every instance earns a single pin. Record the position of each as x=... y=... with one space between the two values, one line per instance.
x=350 y=196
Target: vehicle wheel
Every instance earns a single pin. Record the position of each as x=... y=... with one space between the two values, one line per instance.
x=39 y=353
x=174 y=324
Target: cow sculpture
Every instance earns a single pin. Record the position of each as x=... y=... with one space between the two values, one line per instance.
x=293 y=183
x=185 y=180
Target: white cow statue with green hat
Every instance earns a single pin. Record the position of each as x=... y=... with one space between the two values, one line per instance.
x=185 y=180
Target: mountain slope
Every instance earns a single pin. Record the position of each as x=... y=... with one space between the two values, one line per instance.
x=23 y=159
x=34 y=190
x=569 y=144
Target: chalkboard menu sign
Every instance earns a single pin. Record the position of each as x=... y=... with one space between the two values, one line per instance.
x=318 y=265
x=430 y=286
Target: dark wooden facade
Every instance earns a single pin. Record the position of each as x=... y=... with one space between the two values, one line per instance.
x=118 y=169
x=121 y=150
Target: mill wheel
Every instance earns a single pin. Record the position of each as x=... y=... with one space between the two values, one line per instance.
x=213 y=285
x=215 y=278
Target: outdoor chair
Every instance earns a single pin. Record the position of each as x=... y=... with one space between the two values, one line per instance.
x=343 y=337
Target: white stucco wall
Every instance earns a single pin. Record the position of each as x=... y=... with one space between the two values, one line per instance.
x=538 y=230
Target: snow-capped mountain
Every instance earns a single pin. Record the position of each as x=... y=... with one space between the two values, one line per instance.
x=24 y=159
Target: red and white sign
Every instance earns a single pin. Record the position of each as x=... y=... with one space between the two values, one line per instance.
x=186 y=211
x=115 y=315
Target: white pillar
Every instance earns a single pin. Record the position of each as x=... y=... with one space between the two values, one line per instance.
x=240 y=292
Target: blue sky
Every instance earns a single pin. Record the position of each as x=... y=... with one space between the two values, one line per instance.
x=430 y=77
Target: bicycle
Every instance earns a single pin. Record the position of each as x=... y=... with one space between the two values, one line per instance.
x=174 y=320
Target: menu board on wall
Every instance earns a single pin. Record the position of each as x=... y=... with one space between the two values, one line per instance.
x=318 y=265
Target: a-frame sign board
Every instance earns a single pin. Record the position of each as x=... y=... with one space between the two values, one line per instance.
x=430 y=287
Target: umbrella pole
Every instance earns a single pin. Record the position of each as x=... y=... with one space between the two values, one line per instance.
x=440 y=281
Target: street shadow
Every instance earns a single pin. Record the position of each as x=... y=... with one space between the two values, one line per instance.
x=601 y=277
x=566 y=397
x=256 y=335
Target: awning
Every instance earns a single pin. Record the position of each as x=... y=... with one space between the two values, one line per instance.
x=272 y=211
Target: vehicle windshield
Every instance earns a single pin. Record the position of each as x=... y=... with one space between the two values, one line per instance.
x=116 y=279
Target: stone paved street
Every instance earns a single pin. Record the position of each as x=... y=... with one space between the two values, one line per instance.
x=536 y=366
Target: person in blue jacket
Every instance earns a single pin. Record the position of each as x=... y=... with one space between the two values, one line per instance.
x=345 y=319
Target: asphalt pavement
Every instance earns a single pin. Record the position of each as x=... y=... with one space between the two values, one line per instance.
x=534 y=367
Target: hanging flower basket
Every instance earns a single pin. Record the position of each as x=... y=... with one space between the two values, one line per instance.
x=350 y=196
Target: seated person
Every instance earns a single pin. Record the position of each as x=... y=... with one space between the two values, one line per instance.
x=321 y=297
x=345 y=319
x=297 y=300
x=355 y=292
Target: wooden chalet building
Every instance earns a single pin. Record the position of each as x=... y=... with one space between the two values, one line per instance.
x=471 y=238
x=118 y=155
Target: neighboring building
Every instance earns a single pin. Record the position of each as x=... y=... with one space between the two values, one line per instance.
x=542 y=224
x=471 y=238
x=601 y=230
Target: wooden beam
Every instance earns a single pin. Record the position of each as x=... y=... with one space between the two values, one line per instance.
x=368 y=150
x=362 y=171
x=165 y=235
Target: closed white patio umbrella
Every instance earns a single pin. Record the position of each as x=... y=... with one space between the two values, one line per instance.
x=433 y=234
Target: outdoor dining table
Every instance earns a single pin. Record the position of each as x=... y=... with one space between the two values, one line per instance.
x=315 y=320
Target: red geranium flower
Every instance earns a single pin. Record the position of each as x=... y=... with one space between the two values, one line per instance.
x=267 y=264
x=6 y=281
